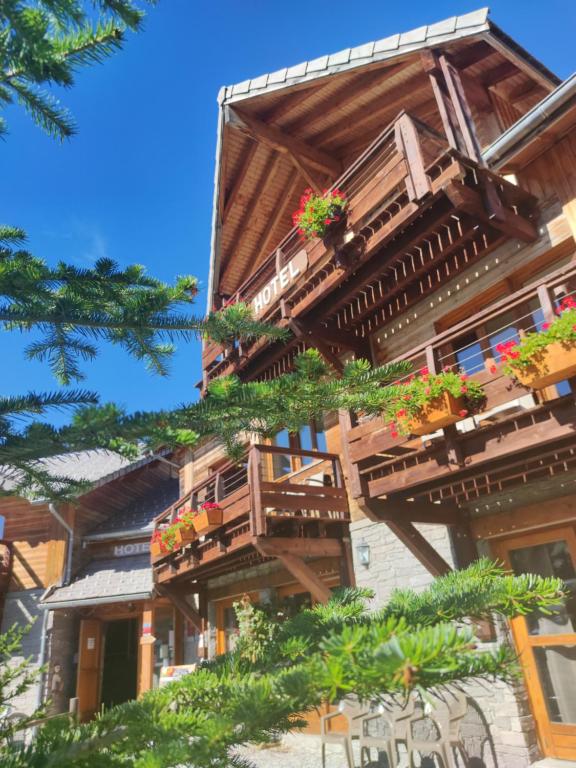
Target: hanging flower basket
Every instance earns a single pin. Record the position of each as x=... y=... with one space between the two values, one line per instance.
x=208 y=518
x=439 y=413
x=546 y=357
x=321 y=215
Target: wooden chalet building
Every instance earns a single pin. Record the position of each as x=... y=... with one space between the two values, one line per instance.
x=457 y=152
x=82 y=572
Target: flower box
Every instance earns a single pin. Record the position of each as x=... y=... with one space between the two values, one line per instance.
x=207 y=520
x=552 y=364
x=156 y=550
x=185 y=536
x=439 y=413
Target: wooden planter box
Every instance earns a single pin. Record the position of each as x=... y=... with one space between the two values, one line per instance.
x=207 y=520
x=555 y=363
x=442 y=412
x=185 y=536
x=155 y=550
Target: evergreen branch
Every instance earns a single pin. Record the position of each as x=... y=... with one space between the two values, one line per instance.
x=44 y=110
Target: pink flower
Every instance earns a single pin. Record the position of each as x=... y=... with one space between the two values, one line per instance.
x=545 y=326
x=394 y=434
x=493 y=369
x=427 y=391
x=401 y=413
x=424 y=371
x=463 y=390
x=463 y=413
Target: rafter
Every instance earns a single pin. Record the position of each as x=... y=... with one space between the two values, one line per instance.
x=230 y=198
x=301 y=331
x=243 y=231
x=282 y=142
x=390 y=103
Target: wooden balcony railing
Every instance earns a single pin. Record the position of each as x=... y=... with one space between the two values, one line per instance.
x=487 y=451
x=408 y=170
x=273 y=494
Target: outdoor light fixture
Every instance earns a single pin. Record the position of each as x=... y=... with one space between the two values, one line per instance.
x=363 y=552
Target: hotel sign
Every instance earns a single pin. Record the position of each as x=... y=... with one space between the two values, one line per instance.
x=284 y=278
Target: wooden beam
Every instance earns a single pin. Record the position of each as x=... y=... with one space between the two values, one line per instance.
x=396 y=511
x=230 y=198
x=350 y=92
x=473 y=54
x=512 y=224
x=411 y=537
x=282 y=142
x=307 y=577
x=305 y=334
x=502 y=72
x=178 y=598
x=389 y=104
x=278 y=545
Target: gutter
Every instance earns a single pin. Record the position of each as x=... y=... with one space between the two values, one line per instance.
x=216 y=223
x=136 y=533
x=522 y=132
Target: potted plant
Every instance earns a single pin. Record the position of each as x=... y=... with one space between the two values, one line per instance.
x=207 y=518
x=321 y=215
x=428 y=402
x=185 y=532
x=157 y=547
x=546 y=357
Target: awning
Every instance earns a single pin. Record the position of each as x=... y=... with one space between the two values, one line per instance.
x=117 y=580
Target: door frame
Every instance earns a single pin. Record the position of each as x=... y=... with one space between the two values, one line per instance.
x=551 y=736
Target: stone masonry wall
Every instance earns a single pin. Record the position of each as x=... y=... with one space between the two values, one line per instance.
x=499 y=732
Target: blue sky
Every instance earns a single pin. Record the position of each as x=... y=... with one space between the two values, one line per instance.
x=135 y=184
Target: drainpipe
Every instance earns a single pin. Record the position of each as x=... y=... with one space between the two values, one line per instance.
x=42 y=659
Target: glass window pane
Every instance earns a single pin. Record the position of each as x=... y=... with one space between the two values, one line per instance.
x=557 y=672
x=281 y=461
x=550 y=559
x=468 y=354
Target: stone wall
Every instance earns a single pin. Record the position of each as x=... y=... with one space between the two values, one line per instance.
x=499 y=729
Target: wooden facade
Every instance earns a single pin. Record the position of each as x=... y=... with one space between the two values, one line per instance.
x=444 y=253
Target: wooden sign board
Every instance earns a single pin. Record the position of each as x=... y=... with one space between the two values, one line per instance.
x=279 y=284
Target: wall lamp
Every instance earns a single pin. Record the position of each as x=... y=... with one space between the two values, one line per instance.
x=363 y=553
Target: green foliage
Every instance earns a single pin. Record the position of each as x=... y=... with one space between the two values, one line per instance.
x=44 y=43
x=15 y=679
x=416 y=393
x=264 y=687
x=519 y=356
x=236 y=322
x=317 y=212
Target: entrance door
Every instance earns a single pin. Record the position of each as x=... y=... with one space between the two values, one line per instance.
x=89 y=668
x=120 y=662
x=547 y=643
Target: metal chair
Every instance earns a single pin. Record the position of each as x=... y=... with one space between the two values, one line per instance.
x=352 y=710
x=444 y=716
x=395 y=716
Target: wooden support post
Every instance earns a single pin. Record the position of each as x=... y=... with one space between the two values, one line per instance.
x=546 y=303
x=408 y=143
x=461 y=108
x=146 y=665
x=354 y=479
x=347 y=575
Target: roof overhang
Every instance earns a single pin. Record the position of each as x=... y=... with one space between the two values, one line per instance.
x=287 y=83
x=54 y=605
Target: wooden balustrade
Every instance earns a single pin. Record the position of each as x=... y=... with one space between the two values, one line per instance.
x=512 y=419
x=273 y=494
x=394 y=173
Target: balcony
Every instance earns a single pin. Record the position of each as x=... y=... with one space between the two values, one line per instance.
x=278 y=502
x=417 y=209
x=521 y=436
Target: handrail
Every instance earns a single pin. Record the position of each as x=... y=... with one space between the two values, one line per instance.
x=506 y=304
x=295 y=452
x=386 y=134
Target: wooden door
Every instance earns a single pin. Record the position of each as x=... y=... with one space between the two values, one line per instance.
x=547 y=643
x=226 y=622
x=89 y=668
